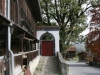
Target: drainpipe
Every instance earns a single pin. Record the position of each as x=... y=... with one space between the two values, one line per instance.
x=8 y=9
x=11 y=55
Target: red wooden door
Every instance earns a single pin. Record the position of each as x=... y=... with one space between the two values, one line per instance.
x=47 y=48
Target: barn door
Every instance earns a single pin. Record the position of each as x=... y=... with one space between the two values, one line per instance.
x=47 y=48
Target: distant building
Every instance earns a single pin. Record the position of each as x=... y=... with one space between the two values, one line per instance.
x=82 y=56
x=71 y=52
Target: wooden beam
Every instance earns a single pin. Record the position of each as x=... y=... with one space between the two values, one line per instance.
x=21 y=47
x=4 y=20
x=28 y=39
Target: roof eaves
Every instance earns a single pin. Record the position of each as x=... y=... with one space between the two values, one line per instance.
x=35 y=9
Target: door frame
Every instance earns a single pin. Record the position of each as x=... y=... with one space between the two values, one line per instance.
x=47 y=40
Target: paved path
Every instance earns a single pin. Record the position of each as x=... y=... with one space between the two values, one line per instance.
x=48 y=65
x=80 y=68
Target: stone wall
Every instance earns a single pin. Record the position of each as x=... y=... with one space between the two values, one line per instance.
x=62 y=64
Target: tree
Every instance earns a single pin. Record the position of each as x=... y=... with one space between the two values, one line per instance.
x=92 y=43
x=93 y=37
x=69 y=15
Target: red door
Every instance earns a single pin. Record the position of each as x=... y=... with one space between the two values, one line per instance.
x=47 y=48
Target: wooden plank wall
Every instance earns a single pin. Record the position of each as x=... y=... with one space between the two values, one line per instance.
x=20 y=11
x=2 y=6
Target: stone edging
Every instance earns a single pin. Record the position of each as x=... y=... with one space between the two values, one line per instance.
x=62 y=65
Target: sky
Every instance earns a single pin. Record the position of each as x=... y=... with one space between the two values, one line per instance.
x=81 y=46
x=86 y=31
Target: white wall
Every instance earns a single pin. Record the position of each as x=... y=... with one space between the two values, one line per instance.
x=17 y=70
x=56 y=36
x=33 y=64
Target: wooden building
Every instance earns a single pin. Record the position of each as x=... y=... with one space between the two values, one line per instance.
x=18 y=34
x=71 y=52
x=82 y=56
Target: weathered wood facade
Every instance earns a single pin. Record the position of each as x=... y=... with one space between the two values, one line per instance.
x=71 y=52
x=82 y=56
x=18 y=32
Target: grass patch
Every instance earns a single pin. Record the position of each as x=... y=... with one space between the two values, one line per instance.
x=38 y=68
x=60 y=74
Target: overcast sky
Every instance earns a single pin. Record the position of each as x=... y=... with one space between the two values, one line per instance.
x=86 y=31
x=80 y=47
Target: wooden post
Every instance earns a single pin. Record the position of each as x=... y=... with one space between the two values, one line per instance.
x=31 y=45
x=21 y=44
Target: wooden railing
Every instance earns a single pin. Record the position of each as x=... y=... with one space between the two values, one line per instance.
x=31 y=55
x=24 y=58
x=17 y=62
x=1 y=66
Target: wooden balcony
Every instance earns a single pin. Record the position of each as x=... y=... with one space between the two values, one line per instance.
x=31 y=55
x=20 y=60
x=23 y=59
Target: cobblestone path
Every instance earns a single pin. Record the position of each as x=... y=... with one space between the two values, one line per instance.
x=48 y=65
